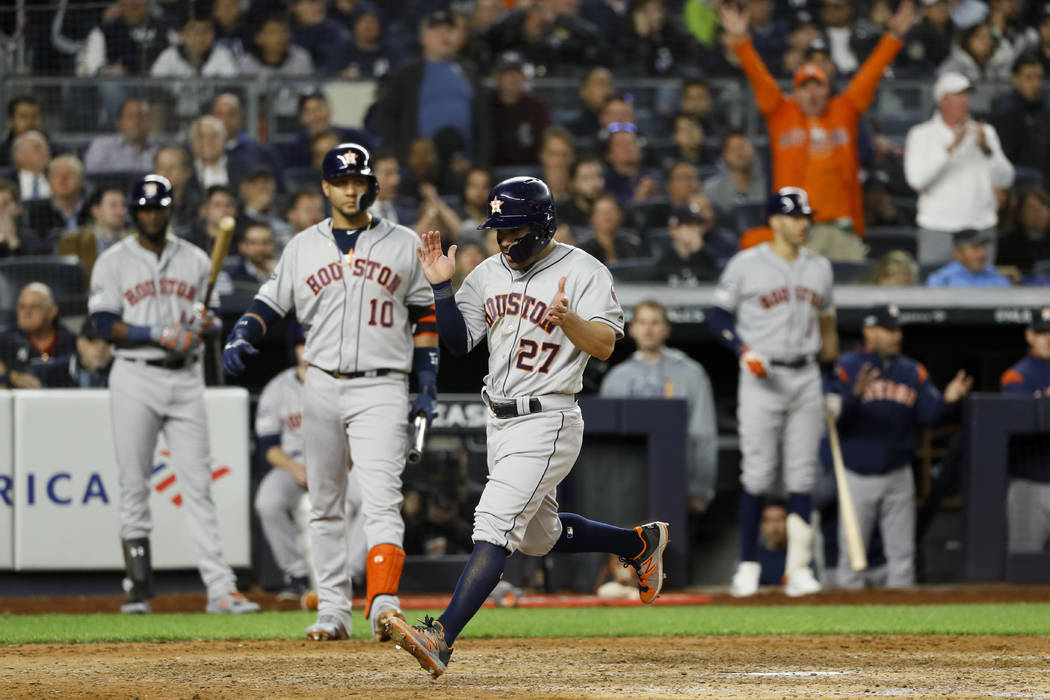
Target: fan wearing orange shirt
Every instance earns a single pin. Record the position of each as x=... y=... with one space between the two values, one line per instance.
x=813 y=136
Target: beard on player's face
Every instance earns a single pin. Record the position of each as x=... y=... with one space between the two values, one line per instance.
x=153 y=222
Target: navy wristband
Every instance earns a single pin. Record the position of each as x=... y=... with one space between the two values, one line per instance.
x=138 y=335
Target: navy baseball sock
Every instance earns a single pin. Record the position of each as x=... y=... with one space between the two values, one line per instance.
x=479 y=577
x=578 y=534
x=750 y=520
x=801 y=504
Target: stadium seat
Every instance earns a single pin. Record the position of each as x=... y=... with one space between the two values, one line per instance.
x=851 y=272
x=658 y=241
x=637 y=270
x=882 y=239
x=63 y=275
x=118 y=179
x=648 y=213
x=749 y=215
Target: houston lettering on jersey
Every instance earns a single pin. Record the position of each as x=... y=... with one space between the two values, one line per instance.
x=168 y=287
x=887 y=390
x=294 y=421
x=783 y=294
x=369 y=269
x=517 y=304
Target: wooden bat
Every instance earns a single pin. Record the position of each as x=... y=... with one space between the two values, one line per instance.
x=858 y=553
x=218 y=253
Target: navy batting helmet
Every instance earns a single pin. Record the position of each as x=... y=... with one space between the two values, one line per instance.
x=352 y=159
x=521 y=201
x=151 y=191
x=792 y=201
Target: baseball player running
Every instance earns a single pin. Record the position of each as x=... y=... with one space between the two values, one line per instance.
x=356 y=286
x=278 y=430
x=773 y=308
x=147 y=297
x=544 y=308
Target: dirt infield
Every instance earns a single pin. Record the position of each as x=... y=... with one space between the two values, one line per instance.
x=743 y=667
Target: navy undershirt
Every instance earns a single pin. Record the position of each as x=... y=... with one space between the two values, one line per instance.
x=345 y=239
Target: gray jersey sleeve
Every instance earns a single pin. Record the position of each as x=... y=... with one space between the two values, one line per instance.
x=597 y=301
x=472 y=307
x=268 y=412
x=278 y=292
x=105 y=294
x=727 y=293
x=827 y=293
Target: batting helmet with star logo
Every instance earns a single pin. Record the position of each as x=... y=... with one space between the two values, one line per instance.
x=523 y=201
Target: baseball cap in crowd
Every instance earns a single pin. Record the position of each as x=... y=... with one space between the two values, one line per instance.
x=1040 y=320
x=886 y=316
x=685 y=214
x=950 y=83
x=809 y=71
x=259 y=170
x=439 y=18
x=509 y=59
x=968 y=236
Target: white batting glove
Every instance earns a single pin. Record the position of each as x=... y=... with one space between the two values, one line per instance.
x=833 y=405
x=754 y=363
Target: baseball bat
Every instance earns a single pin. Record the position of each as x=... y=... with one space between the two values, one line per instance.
x=218 y=253
x=419 y=436
x=858 y=556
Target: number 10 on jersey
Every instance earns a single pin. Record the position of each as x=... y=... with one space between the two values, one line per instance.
x=382 y=313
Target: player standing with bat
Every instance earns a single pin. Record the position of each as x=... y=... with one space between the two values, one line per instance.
x=148 y=297
x=885 y=394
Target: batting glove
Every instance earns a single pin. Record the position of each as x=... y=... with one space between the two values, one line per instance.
x=754 y=363
x=175 y=338
x=833 y=405
x=425 y=403
x=203 y=321
x=232 y=355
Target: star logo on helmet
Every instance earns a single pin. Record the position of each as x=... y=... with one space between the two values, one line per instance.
x=495 y=205
x=347 y=159
x=150 y=189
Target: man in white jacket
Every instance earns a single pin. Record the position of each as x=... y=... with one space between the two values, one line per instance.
x=954 y=163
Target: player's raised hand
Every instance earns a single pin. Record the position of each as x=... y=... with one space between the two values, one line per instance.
x=958 y=387
x=437 y=266
x=559 y=306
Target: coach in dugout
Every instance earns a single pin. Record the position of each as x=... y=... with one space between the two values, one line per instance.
x=813 y=136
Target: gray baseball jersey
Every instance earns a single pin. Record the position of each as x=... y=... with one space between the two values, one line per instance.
x=144 y=289
x=527 y=356
x=354 y=305
x=280 y=412
x=776 y=303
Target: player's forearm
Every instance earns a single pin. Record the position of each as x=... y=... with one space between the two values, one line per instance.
x=829 y=339
x=279 y=458
x=592 y=337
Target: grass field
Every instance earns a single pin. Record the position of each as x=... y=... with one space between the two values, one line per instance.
x=971 y=619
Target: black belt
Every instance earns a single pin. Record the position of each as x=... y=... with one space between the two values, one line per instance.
x=509 y=409
x=357 y=375
x=793 y=363
x=168 y=363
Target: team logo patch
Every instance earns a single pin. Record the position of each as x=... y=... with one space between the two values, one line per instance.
x=495 y=205
x=347 y=159
x=149 y=189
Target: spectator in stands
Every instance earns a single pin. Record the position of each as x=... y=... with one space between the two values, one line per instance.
x=879 y=208
x=37 y=351
x=586 y=183
x=10 y=219
x=896 y=268
x=557 y=151
x=1029 y=241
x=23 y=114
x=1020 y=117
x=469 y=254
x=424 y=166
x=231 y=29
x=196 y=55
x=257 y=200
x=564 y=234
x=314 y=31
x=954 y=163
x=219 y=202
x=272 y=53
x=696 y=100
x=551 y=35
x=315 y=115
x=257 y=251
x=435 y=92
x=48 y=219
x=305 y=209
x=623 y=157
x=657 y=371
x=740 y=182
x=31 y=155
x=654 y=46
x=128 y=150
x=175 y=163
x=239 y=147
x=436 y=215
x=106 y=224
x=519 y=116
x=595 y=90
x=610 y=243
x=1043 y=43
x=682 y=183
x=474 y=206
x=611 y=17
x=367 y=54
x=720 y=243
x=768 y=32
x=211 y=165
x=838 y=19
x=979 y=55
x=688 y=137
x=389 y=205
x=966 y=13
x=89 y=367
x=618 y=109
x=814 y=136
x=319 y=146
x=929 y=42
x=687 y=262
x=1028 y=493
x=971 y=267
x=127 y=42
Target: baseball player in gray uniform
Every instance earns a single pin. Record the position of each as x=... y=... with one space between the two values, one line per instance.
x=773 y=308
x=278 y=431
x=544 y=308
x=359 y=291
x=147 y=297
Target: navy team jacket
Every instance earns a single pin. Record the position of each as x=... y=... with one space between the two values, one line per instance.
x=1029 y=454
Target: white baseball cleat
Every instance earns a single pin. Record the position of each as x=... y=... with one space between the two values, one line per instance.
x=745 y=579
x=802 y=582
x=232 y=603
x=136 y=607
x=328 y=628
